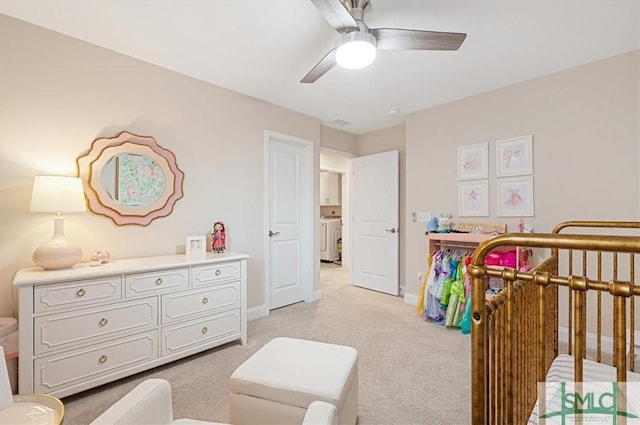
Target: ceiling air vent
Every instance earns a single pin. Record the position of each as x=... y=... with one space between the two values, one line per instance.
x=340 y=122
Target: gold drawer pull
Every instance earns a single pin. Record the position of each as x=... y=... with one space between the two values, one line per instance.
x=158 y=281
x=218 y=272
x=205 y=300
x=205 y=330
x=102 y=322
x=80 y=293
x=102 y=359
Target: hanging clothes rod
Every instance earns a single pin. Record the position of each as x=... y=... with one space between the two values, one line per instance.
x=471 y=246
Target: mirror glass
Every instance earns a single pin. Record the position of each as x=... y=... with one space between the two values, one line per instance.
x=130 y=179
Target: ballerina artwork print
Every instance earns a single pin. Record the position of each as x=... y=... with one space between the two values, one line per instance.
x=515 y=197
x=514 y=156
x=472 y=162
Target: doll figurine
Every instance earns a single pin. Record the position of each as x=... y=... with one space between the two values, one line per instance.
x=218 y=237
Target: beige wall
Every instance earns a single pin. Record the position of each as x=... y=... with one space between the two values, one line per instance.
x=338 y=140
x=389 y=139
x=586 y=133
x=58 y=94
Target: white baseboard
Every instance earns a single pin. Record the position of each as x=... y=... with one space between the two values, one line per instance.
x=317 y=295
x=257 y=312
x=592 y=340
x=260 y=311
x=411 y=299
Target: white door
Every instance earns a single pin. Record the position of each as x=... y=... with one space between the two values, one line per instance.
x=290 y=190
x=375 y=212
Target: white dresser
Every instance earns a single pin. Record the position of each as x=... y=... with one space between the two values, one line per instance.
x=85 y=326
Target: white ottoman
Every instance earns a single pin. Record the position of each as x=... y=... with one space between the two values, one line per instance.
x=277 y=384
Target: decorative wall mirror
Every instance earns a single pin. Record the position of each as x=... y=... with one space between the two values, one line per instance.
x=130 y=179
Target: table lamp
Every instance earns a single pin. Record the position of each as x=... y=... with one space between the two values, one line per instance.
x=57 y=194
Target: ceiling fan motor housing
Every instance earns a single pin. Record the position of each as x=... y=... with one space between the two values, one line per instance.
x=356 y=9
x=350 y=5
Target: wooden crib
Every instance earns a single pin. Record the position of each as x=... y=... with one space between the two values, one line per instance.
x=516 y=335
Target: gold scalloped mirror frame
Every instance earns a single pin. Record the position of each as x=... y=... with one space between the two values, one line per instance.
x=90 y=167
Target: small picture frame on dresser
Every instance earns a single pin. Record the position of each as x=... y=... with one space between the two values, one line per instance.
x=195 y=245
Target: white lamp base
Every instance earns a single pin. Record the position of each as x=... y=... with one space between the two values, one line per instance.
x=58 y=253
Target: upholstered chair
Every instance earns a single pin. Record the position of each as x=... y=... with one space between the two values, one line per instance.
x=150 y=403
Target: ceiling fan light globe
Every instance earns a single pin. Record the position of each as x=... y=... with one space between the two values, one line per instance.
x=355 y=50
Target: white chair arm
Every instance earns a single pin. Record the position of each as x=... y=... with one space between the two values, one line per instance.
x=321 y=413
x=148 y=403
x=6 y=397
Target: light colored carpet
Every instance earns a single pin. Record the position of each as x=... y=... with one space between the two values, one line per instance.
x=411 y=371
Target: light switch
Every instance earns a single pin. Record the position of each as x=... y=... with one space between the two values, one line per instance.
x=422 y=216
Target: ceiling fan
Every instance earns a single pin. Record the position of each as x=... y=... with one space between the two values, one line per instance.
x=356 y=46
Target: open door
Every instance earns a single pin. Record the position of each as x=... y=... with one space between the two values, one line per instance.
x=375 y=215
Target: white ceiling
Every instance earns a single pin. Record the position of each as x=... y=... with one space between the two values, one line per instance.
x=263 y=48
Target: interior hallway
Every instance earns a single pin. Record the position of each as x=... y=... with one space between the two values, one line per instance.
x=332 y=274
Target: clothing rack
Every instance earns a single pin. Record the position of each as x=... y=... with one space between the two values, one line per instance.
x=446 y=301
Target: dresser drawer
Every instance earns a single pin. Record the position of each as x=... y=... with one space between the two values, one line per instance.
x=91 y=325
x=76 y=294
x=58 y=371
x=202 y=331
x=178 y=306
x=156 y=282
x=212 y=274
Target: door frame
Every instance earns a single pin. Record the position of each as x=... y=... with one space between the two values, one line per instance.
x=306 y=215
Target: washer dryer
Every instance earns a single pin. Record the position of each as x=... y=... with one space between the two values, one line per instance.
x=330 y=233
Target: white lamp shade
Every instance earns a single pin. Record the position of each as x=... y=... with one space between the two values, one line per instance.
x=57 y=194
x=355 y=50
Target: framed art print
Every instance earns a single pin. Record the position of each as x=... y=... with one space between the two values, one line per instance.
x=473 y=162
x=514 y=157
x=195 y=245
x=473 y=199
x=515 y=197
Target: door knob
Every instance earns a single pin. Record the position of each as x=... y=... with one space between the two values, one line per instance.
x=272 y=234
x=392 y=230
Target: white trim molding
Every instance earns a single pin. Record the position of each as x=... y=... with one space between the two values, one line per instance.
x=607 y=341
x=317 y=296
x=411 y=299
x=257 y=312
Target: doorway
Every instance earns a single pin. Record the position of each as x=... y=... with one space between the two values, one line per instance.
x=337 y=162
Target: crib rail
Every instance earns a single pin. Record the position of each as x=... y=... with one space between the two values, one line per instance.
x=515 y=334
x=589 y=225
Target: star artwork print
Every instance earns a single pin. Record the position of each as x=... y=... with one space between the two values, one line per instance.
x=472 y=196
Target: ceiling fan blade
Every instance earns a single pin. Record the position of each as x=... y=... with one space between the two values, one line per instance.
x=336 y=15
x=321 y=67
x=401 y=39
